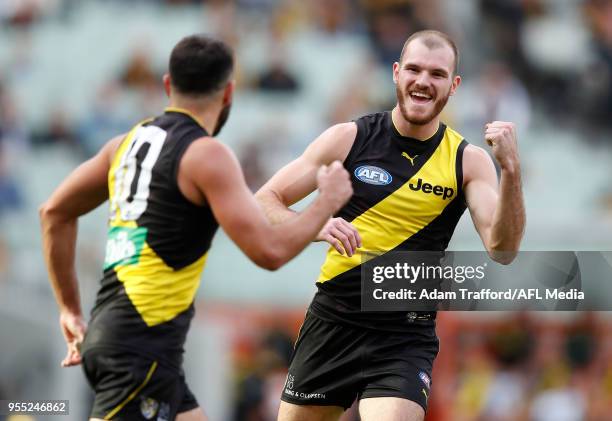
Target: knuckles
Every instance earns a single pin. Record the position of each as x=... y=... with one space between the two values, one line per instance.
x=507 y=125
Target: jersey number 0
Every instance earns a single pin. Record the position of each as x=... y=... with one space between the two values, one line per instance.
x=133 y=174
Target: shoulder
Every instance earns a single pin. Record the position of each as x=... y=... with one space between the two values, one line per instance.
x=207 y=156
x=333 y=144
x=109 y=150
x=475 y=153
x=342 y=131
x=477 y=163
x=207 y=165
x=208 y=145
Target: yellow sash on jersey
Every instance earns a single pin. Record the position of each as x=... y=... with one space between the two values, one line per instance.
x=404 y=212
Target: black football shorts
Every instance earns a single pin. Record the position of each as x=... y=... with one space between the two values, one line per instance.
x=334 y=364
x=129 y=386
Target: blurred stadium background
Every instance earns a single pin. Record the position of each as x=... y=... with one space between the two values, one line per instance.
x=73 y=73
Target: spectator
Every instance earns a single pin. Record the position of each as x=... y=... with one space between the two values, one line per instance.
x=139 y=73
x=58 y=130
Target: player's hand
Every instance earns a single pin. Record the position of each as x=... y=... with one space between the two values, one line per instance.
x=501 y=136
x=74 y=328
x=334 y=185
x=342 y=235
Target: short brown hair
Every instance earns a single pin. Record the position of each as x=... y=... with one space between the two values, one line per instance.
x=433 y=39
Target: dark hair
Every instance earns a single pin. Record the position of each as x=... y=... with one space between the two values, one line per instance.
x=200 y=65
x=433 y=39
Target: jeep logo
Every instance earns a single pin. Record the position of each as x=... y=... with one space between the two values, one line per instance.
x=445 y=192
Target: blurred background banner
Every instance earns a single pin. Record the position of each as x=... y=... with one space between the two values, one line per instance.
x=74 y=73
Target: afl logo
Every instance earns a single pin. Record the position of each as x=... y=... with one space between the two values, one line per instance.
x=373 y=175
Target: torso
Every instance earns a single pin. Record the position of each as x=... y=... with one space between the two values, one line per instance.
x=407 y=196
x=157 y=242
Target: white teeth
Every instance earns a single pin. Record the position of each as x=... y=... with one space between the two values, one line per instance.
x=420 y=95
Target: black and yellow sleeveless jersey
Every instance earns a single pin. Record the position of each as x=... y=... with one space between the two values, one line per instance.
x=407 y=196
x=157 y=243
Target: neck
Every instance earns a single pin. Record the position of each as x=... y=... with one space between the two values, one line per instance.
x=204 y=112
x=416 y=131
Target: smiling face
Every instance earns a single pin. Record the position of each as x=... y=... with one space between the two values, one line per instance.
x=424 y=80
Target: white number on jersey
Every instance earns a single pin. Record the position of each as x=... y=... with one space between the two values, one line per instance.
x=133 y=175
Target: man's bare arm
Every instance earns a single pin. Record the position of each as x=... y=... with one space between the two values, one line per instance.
x=298 y=179
x=498 y=211
x=83 y=190
x=220 y=182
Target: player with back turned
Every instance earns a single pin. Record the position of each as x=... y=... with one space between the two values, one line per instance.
x=413 y=178
x=169 y=183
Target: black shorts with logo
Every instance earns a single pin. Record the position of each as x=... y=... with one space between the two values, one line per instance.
x=335 y=363
x=129 y=386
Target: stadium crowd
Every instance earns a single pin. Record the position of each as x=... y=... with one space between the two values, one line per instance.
x=73 y=74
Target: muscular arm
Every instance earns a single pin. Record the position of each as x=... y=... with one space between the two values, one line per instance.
x=82 y=191
x=298 y=179
x=497 y=211
x=220 y=182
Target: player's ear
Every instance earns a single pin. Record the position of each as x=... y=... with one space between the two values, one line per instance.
x=228 y=93
x=455 y=85
x=167 y=84
x=395 y=72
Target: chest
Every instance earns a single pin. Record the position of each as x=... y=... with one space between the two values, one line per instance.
x=392 y=181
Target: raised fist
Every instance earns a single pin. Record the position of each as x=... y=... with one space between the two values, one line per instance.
x=334 y=185
x=501 y=136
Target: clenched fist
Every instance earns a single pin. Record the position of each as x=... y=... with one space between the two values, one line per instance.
x=334 y=185
x=501 y=136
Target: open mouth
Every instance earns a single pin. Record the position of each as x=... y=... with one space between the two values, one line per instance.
x=420 y=97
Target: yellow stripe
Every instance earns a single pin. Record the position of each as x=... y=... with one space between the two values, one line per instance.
x=403 y=213
x=112 y=181
x=158 y=292
x=133 y=394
